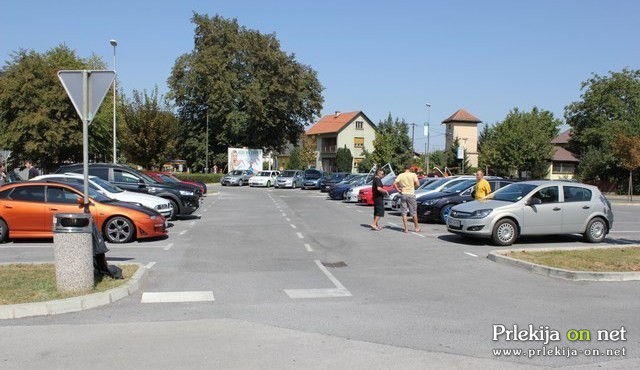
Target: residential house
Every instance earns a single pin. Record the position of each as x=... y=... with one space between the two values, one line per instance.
x=353 y=130
x=564 y=163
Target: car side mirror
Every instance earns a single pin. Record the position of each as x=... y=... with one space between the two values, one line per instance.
x=141 y=183
x=534 y=201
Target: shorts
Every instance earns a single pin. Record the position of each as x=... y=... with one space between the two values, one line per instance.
x=408 y=205
x=378 y=207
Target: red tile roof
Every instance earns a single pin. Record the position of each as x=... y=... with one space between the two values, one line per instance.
x=332 y=123
x=562 y=155
x=563 y=138
x=462 y=115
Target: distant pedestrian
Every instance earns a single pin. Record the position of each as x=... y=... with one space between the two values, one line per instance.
x=3 y=175
x=378 y=199
x=33 y=172
x=406 y=183
x=482 y=185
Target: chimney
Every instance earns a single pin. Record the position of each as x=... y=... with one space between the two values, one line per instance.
x=337 y=114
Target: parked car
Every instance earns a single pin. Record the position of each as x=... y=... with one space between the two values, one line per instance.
x=312 y=179
x=236 y=177
x=390 y=198
x=289 y=179
x=169 y=177
x=161 y=205
x=437 y=206
x=535 y=208
x=184 y=198
x=333 y=179
x=264 y=178
x=338 y=190
x=351 y=195
x=441 y=184
x=27 y=209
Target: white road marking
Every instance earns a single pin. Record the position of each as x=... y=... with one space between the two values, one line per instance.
x=288 y=220
x=150 y=265
x=172 y=297
x=338 y=291
x=308 y=247
x=392 y=224
x=293 y=226
x=182 y=232
x=420 y=235
x=168 y=247
x=192 y=223
x=361 y=211
x=471 y=254
x=284 y=215
x=300 y=235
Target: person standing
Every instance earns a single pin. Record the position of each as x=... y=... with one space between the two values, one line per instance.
x=3 y=175
x=482 y=185
x=33 y=172
x=406 y=184
x=378 y=199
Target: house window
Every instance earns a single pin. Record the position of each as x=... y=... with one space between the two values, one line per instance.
x=358 y=142
x=359 y=125
x=356 y=162
x=564 y=167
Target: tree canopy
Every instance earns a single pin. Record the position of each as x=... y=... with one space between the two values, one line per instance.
x=609 y=105
x=522 y=142
x=392 y=144
x=255 y=94
x=344 y=159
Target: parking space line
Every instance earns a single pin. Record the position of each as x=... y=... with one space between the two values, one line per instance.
x=168 y=247
x=174 y=297
x=182 y=232
x=300 y=235
x=420 y=235
x=308 y=247
x=338 y=291
x=471 y=254
x=192 y=223
x=150 y=265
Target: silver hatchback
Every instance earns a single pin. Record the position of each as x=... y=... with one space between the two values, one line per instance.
x=535 y=208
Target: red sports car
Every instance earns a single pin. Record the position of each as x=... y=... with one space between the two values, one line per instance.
x=169 y=177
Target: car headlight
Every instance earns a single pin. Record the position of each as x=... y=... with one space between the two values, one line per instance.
x=186 y=193
x=153 y=217
x=152 y=189
x=481 y=213
x=429 y=202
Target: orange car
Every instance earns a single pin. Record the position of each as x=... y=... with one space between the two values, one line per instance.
x=27 y=209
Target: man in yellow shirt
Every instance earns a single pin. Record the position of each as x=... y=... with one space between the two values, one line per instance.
x=406 y=184
x=482 y=186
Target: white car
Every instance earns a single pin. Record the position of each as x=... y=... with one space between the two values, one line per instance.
x=161 y=205
x=264 y=178
x=351 y=195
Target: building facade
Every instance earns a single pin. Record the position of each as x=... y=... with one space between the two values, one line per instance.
x=463 y=126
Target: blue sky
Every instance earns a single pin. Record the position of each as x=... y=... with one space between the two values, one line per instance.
x=380 y=57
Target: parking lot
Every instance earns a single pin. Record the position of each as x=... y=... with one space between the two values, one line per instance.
x=293 y=261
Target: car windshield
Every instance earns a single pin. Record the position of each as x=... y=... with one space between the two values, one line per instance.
x=460 y=186
x=288 y=174
x=106 y=185
x=167 y=178
x=312 y=174
x=336 y=177
x=93 y=193
x=435 y=184
x=236 y=173
x=513 y=192
x=263 y=173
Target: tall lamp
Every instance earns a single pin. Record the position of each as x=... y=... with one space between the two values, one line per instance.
x=426 y=128
x=114 y=43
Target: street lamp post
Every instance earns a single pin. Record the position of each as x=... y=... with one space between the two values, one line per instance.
x=206 y=156
x=428 y=134
x=114 y=43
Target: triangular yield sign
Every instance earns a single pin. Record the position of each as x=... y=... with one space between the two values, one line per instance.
x=98 y=83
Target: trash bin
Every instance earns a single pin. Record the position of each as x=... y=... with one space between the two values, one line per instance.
x=73 y=252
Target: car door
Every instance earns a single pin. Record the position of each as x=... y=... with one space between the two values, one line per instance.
x=60 y=200
x=577 y=208
x=546 y=217
x=24 y=211
x=127 y=181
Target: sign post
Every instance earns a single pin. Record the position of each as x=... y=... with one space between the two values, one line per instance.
x=87 y=90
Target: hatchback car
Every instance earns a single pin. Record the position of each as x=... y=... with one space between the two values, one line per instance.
x=313 y=179
x=264 y=178
x=236 y=177
x=535 y=208
x=27 y=209
x=289 y=179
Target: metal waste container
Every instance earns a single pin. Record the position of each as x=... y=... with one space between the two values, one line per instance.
x=73 y=252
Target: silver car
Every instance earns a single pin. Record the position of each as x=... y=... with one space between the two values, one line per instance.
x=289 y=179
x=535 y=208
x=237 y=177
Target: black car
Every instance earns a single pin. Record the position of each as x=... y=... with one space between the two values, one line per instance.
x=184 y=198
x=437 y=206
x=338 y=190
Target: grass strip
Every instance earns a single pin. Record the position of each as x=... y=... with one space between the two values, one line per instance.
x=623 y=259
x=25 y=283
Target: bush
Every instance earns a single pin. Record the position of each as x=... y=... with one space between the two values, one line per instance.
x=207 y=178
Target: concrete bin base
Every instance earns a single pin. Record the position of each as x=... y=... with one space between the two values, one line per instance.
x=73 y=252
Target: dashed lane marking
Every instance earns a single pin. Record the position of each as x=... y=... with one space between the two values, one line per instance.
x=173 y=297
x=308 y=247
x=471 y=254
x=293 y=226
x=300 y=235
x=150 y=265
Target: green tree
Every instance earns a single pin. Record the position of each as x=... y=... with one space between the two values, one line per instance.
x=392 y=144
x=37 y=119
x=344 y=159
x=295 y=160
x=522 y=142
x=254 y=94
x=308 y=150
x=367 y=162
x=452 y=159
x=609 y=105
x=150 y=130
x=627 y=150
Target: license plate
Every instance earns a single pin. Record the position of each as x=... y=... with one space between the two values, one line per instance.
x=454 y=223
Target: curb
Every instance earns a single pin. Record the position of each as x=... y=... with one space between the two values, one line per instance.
x=498 y=256
x=74 y=304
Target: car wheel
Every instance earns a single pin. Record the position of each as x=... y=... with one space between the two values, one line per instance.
x=293 y=185
x=505 y=232
x=268 y=184
x=596 y=230
x=119 y=230
x=4 y=231
x=176 y=210
x=240 y=183
x=444 y=213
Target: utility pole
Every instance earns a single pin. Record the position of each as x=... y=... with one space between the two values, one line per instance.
x=426 y=128
x=413 y=128
x=206 y=165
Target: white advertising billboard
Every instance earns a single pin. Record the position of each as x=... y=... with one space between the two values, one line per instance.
x=244 y=159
